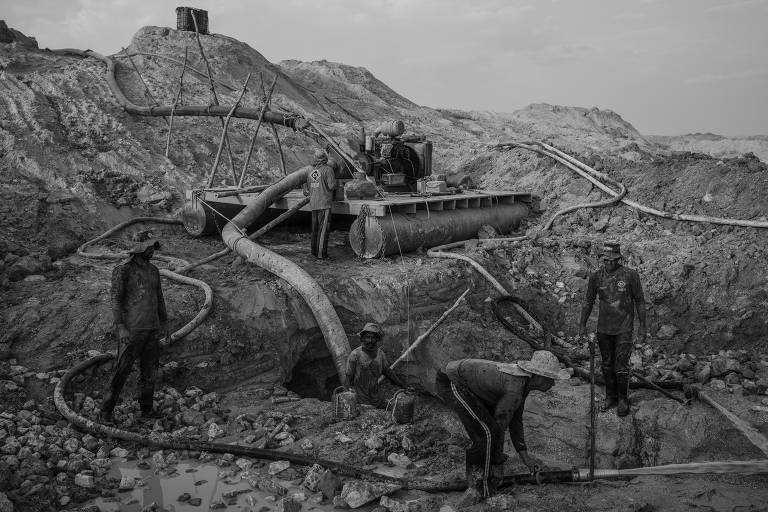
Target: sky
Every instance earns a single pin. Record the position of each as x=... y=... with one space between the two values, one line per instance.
x=667 y=66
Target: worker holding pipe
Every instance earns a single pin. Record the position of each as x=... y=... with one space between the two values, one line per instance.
x=320 y=187
x=140 y=318
x=366 y=364
x=489 y=397
x=621 y=295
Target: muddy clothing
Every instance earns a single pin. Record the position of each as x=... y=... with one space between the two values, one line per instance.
x=487 y=401
x=615 y=350
x=144 y=347
x=137 y=297
x=365 y=372
x=503 y=394
x=321 y=231
x=618 y=292
x=321 y=183
x=138 y=304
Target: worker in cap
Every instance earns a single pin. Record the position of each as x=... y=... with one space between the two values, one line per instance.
x=366 y=364
x=621 y=295
x=320 y=187
x=489 y=398
x=140 y=318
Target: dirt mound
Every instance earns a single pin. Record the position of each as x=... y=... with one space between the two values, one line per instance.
x=717 y=145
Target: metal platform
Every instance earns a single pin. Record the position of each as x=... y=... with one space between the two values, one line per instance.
x=391 y=203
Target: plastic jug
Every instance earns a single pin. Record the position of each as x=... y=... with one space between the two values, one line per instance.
x=344 y=403
x=404 y=404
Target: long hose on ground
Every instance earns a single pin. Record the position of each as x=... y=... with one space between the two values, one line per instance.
x=594 y=176
x=574 y=475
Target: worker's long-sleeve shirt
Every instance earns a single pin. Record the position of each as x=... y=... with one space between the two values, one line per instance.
x=503 y=393
x=137 y=297
x=619 y=291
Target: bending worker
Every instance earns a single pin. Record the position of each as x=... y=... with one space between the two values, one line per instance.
x=320 y=187
x=489 y=397
x=620 y=295
x=366 y=364
x=140 y=318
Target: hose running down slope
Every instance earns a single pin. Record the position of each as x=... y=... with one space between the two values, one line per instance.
x=234 y=236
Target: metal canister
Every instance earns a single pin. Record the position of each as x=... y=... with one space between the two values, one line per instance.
x=404 y=406
x=344 y=403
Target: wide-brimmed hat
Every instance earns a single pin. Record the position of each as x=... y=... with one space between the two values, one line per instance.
x=371 y=327
x=544 y=363
x=143 y=246
x=611 y=251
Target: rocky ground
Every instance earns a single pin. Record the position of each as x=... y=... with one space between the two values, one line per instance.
x=74 y=164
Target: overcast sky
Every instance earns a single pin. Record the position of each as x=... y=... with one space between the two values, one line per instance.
x=666 y=66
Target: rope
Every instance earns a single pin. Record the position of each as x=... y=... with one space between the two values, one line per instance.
x=362 y=219
x=407 y=283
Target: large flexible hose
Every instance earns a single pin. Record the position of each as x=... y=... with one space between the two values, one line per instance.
x=207 y=290
x=234 y=236
x=290 y=121
x=574 y=475
x=592 y=175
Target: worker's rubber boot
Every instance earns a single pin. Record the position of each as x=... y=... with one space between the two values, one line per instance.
x=611 y=394
x=622 y=385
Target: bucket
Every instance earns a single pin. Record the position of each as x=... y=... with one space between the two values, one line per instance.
x=403 y=406
x=344 y=404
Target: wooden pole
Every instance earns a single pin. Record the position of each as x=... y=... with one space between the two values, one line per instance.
x=750 y=432
x=224 y=129
x=175 y=102
x=592 y=411
x=277 y=139
x=256 y=133
x=147 y=92
x=279 y=149
x=426 y=334
x=213 y=94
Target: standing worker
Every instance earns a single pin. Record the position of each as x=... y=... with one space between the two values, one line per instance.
x=366 y=364
x=321 y=184
x=620 y=295
x=140 y=317
x=489 y=397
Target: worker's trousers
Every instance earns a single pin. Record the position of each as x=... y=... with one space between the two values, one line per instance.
x=615 y=350
x=321 y=230
x=144 y=346
x=487 y=438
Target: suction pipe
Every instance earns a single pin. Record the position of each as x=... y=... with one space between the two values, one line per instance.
x=234 y=236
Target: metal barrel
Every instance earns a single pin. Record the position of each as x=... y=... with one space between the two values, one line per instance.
x=406 y=232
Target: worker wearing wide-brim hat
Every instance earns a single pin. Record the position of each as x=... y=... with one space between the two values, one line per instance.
x=621 y=294
x=366 y=364
x=489 y=397
x=140 y=319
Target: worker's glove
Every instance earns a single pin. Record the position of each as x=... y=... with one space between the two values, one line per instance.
x=123 y=334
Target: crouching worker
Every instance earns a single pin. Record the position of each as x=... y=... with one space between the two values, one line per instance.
x=366 y=364
x=140 y=319
x=489 y=397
